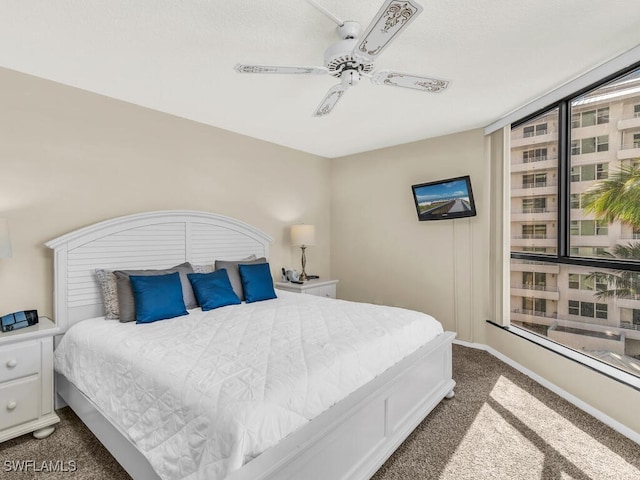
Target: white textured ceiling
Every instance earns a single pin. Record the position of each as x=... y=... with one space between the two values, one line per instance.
x=178 y=57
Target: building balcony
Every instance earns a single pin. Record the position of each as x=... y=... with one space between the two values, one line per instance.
x=546 y=162
x=537 y=214
x=627 y=123
x=539 y=188
x=633 y=302
x=548 y=136
x=630 y=236
x=533 y=241
x=589 y=241
x=533 y=316
x=538 y=291
x=629 y=150
x=533 y=266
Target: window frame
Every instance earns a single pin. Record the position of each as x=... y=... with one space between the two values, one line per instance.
x=562 y=253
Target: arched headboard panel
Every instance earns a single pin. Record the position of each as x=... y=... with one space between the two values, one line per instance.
x=147 y=240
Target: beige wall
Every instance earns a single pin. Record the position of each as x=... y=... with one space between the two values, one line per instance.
x=70 y=158
x=381 y=253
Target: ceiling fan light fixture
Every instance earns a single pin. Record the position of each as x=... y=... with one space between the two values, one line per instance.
x=350 y=77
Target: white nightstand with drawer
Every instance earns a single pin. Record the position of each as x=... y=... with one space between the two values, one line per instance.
x=317 y=287
x=26 y=381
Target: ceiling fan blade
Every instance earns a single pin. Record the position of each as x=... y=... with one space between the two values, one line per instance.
x=241 y=68
x=406 y=80
x=392 y=18
x=329 y=101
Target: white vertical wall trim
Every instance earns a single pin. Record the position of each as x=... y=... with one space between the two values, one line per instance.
x=472 y=306
x=505 y=259
x=462 y=272
x=585 y=80
x=456 y=296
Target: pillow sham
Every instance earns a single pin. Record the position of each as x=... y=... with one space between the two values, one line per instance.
x=107 y=282
x=211 y=267
x=213 y=290
x=157 y=297
x=125 y=294
x=257 y=282
x=234 y=275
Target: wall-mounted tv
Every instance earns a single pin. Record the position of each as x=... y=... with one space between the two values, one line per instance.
x=444 y=199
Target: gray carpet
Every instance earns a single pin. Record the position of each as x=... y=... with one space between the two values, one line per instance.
x=500 y=425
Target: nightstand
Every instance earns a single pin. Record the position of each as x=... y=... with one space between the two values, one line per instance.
x=26 y=381
x=317 y=287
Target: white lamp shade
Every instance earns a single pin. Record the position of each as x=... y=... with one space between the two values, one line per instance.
x=5 y=240
x=303 y=235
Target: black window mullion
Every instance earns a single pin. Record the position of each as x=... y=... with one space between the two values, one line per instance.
x=564 y=179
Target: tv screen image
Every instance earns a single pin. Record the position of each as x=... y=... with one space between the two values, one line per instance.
x=444 y=199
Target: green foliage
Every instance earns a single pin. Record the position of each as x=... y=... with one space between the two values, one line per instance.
x=616 y=198
x=620 y=284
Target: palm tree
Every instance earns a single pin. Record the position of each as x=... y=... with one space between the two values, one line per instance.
x=621 y=283
x=617 y=197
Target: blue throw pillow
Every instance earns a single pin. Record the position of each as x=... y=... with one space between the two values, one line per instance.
x=256 y=282
x=157 y=297
x=213 y=290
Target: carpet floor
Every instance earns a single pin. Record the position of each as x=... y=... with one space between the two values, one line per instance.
x=500 y=425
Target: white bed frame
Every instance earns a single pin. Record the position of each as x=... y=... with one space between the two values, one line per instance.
x=351 y=440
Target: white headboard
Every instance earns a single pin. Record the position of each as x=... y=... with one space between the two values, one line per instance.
x=147 y=240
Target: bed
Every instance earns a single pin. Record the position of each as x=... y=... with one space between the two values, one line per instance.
x=293 y=406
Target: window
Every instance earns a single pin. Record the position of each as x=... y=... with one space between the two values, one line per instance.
x=588 y=309
x=587 y=173
x=580 y=281
x=534 y=130
x=534 y=231
x=535 y=155
x=536 y=306
x=534 y=280
x=589 y=227
x=575 y=200
x=532 y=180
x=590 y=145
x=602 y=171
x=588 y=251
x=534 y=205
x=590 y=117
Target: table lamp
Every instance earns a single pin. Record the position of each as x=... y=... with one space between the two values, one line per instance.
x=303 y=236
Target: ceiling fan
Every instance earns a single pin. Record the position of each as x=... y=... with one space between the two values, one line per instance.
x=352 y=58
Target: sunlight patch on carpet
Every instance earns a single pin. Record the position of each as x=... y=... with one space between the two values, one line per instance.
x=583 y=452
x=476 y=455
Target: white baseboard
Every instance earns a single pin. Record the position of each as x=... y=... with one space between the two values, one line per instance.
x=604 y=418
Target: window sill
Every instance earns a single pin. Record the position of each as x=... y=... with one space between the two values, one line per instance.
x=605 y=369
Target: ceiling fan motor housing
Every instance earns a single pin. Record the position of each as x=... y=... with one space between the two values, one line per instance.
x=338 y=58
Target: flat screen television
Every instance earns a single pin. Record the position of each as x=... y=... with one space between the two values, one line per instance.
x=444 y=199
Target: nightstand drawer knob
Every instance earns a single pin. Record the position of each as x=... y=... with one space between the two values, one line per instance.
x=11 y=406
x=12 y=363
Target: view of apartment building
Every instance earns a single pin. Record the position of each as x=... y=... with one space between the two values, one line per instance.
x=558 y=300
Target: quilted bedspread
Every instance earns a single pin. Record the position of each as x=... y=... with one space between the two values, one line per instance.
x=202 y=394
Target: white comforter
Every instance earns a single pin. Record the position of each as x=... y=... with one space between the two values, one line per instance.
x=201 y=395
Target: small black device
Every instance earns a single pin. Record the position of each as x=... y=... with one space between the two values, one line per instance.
x=299 y=282
x=312 y=277
x=16 y=320
x=444 y=199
